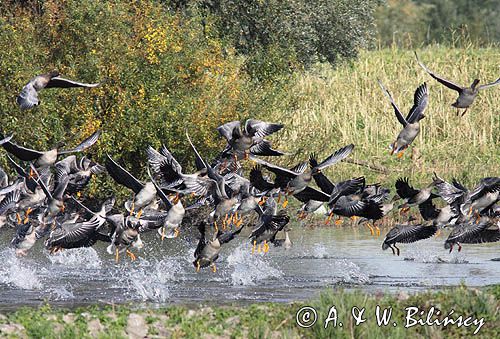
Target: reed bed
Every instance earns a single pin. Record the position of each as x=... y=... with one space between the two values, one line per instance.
x=334 y=107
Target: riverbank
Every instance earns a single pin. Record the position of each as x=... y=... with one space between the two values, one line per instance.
x=273 y=320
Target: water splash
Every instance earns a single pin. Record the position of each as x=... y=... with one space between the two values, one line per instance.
x=248 y=269
x=77 y=257
x=419 y=254
x=426 y=256
x=350 y=273
x=150 y=281
x=320 y=251
x=458 y=258
x=16 y=273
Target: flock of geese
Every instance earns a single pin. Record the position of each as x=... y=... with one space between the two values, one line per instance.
x=44 y=200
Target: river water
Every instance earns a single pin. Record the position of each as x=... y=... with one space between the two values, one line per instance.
x=321 y=257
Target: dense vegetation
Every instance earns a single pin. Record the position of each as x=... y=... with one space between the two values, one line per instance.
x=162 y=74
x=264 y=320
x=414 y=23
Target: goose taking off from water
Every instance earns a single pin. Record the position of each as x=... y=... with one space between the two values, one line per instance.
x=207 y=251
x=407 y=234
x=297 y=179
x=28 y=97
x=248 y=140
x=473 y=233
x=144 y=193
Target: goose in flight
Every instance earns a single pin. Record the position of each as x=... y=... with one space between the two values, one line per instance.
x=466 y=95
x=28 y=98
x=46 y=158
x=411 y=125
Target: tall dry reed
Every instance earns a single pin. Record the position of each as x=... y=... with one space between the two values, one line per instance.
x=334 y=107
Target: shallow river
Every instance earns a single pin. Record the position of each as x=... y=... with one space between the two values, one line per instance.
x=321 y=257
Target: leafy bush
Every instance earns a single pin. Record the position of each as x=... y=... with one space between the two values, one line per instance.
x=289 y=34
x=163 y=73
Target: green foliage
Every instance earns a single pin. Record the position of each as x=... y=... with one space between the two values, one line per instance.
x=163 y=73
x=290 y=34
x=413 y=23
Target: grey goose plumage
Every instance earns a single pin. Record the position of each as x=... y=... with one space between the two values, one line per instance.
x=411 y=125
x=466 y=94
x=28 y=98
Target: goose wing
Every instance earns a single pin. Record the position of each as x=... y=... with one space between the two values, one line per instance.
x=200 y=163
x=78 y=235
x=200 y=186
x=22 y=153
x=440 y=79
x=397 y=111
x=348 y=207
x=407 y=234
x=487 y=235
x=258 y=181
x=227 y=129
x=335 y=157
x=261 y=129
x=58 y=82
x=427 y=210
x=121 y=176
x=62 y=180
x=202 y=242
x=160 y=193
x=279 y=171
x=28 y=97
x=42 y=183
x=321 y=180
x=420 y=101
x=92 y=139
x=486 y=185
x=310 y=193
x=164 y=166
x=9 y=201
x=346 y=187
x=467 y=232
x=404 y=190
x=491 y=84
x=264 y=148
x=450 y=192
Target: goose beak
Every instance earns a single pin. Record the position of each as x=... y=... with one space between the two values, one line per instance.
x=176 y=199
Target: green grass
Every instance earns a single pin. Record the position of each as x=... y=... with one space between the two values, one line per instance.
x=266 y=319
x=334 y=107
